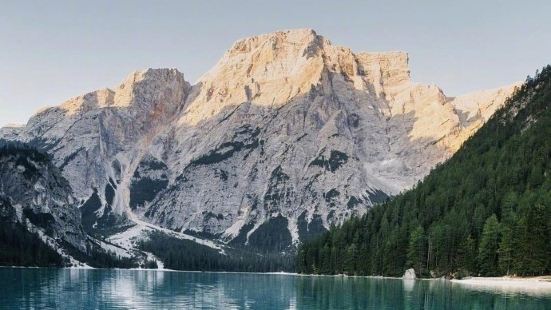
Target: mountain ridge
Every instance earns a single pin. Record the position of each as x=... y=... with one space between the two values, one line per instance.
x=286 y=133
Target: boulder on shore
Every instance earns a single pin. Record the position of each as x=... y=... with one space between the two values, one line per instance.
x=409 y=274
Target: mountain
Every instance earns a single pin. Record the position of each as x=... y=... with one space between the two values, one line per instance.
x=285 y=136
x=34 y=197
x=485 y=211
x=40 y=219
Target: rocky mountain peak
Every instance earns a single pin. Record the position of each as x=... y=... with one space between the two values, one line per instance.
x=270 y=70
x=145 y=89
x=305 y=40
x=287 y=133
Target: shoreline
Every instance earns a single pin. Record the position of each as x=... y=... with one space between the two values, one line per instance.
x=524 y=285
x=541 y=284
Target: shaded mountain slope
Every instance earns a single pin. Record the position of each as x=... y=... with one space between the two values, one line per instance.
x=40 y=218
x=487 y=210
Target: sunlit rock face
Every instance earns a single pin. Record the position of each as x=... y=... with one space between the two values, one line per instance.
x=285 y=136
x=98 y=138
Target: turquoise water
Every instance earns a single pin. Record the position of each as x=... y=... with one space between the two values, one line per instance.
x=39 y=288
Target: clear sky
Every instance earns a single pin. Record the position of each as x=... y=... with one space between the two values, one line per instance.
x=53 y=50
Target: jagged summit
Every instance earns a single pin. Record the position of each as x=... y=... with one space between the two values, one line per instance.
x=270 y=70
x=303 y=36
x=136 y=88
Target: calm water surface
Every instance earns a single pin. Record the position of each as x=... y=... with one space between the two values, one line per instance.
x=39 y=288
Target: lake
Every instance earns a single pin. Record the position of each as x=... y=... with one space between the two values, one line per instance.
x=150 y=289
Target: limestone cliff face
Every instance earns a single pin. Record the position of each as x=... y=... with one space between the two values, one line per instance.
x=95 y=138
x=288 y=133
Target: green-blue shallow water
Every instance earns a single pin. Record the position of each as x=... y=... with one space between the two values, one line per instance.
x=39 y=288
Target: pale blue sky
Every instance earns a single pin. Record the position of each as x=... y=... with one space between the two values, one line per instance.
x=53 y=50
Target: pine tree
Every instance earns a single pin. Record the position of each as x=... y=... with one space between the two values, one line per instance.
x=489 y=245
x=466 y=260
x=534 y=245
x=509 y=233
x=416 y=251
x=350 y=259
x=506 y=249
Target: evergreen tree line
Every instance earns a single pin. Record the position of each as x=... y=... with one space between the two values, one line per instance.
x=485 y=211
x=8 y=147
x=19 y=247
x=187 y=255
x=97 y=257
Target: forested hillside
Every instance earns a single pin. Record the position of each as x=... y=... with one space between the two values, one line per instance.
x=181 y=254
x=486 y=211
x=19 y=247
x=38 y=217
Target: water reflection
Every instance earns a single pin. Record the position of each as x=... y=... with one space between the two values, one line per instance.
x=140 y=289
